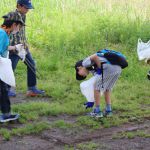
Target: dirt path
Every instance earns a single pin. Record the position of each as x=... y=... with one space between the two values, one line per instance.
x=57 y=139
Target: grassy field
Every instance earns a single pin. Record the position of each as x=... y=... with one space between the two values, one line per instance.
x=60 y=32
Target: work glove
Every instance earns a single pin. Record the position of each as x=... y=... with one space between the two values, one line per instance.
x=21 y=51
x=22 y=54
x=99 y=71
x=88 y=104
x=19 y=47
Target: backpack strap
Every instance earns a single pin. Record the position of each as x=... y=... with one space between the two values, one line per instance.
x=102 y=73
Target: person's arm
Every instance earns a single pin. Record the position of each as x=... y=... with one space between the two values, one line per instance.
x=12 y=48
x=3 y=44
x=94 y=58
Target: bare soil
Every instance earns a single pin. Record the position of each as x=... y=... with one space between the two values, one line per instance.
x=57 y=139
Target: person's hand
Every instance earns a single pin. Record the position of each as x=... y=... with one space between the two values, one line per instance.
x=99 y=71
x=19 y=47
x=11 y=48
x=88 y=104
x=22 y=54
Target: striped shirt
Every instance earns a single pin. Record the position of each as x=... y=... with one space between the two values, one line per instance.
x=111 y=74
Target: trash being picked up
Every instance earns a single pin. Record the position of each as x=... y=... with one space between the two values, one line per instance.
x=21 y=51
x=87 y=89
x=143 y=50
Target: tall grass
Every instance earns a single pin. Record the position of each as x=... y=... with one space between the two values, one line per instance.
x=75 y=25
x=62 y=31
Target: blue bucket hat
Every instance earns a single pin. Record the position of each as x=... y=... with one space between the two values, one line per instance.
x=26 y=3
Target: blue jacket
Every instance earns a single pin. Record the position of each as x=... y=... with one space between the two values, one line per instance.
x=4 y=43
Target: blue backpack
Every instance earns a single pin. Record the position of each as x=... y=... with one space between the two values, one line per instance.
x=113 y=57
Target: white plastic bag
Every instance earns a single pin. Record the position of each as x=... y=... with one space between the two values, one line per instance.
x=21 y=51
x=143 y=50
x=87 y=88
x=6 y=72
x=22 y=54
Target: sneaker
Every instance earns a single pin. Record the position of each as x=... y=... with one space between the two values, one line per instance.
x=99 y=115
x=11 y=93
x=108 y=113
x=96 y=114
x=34 y=92
x=4 y=118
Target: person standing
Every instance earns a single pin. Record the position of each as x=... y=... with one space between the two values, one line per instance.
x=106 y=72
x=23 y=7
x=10 y=25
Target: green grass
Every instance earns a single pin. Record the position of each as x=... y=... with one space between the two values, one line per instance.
x=29 y=128
x=83 y=146
x=62 y=32
x=87 y=146
x=62 y=124
x=132 y=134
x=33 y=128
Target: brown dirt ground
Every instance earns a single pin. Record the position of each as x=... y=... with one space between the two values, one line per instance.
x=57 y=139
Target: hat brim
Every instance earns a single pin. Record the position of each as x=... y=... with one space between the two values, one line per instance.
x=6 y=18
x=29 y=6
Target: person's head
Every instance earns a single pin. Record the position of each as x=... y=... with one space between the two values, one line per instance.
x=23 y=6
x=81 y=72
x=12 y=23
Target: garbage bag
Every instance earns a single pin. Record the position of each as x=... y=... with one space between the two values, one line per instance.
x=6 y=72
x=87 y=88
x=143 y=50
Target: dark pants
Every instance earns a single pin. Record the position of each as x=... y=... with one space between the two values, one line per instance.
x=29 y=62
x=4 y=98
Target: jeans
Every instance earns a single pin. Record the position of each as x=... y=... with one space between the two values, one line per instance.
x=31 y=70
x=4 y=99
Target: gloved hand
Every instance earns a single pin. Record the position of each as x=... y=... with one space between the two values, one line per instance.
x=99 y=71
x=22 y=54
x=88 y=104
x=19 y=47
